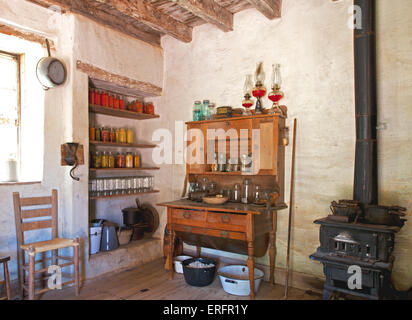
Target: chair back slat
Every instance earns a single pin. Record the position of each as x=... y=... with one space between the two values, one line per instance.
x=21 y=213
x=38 y=201
x=36 y=213
x=36 y=225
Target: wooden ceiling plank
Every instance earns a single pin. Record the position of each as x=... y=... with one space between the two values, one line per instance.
x=209 y=11
x=144 y=12
x=271 y=9
x=102 y=17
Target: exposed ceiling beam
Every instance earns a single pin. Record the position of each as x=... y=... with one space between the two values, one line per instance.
x=271 y=9
x=102 y=17
x=145 y=13
x=209 y=11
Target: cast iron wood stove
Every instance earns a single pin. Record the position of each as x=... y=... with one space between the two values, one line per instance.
x=359 y=232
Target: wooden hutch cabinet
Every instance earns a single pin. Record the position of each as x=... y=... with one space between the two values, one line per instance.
x=247 y=229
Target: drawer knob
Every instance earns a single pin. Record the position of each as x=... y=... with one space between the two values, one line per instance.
x=226 y=219
x=224 y=233
x=187 y=215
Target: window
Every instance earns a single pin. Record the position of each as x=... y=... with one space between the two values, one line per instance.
x=10 y=108
x=22 y=110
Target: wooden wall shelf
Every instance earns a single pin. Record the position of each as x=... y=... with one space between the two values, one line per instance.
x=123 y=195
x=121 y=113
x=123 y=145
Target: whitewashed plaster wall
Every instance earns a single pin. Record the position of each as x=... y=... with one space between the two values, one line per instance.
x=315 y=48
x=67 y=118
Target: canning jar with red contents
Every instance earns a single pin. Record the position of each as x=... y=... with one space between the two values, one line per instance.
x=139 y=106
x=105 y=135
x=116 y=102
x=120 y=160
x=97 y=98
x=149 y=108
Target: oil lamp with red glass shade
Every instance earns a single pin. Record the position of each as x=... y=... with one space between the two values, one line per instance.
x=259 y=90
x=276 y=95
x=247 y=90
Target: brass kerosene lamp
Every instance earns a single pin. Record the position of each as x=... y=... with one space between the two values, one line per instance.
x=247 y=90
x=259 y=90
x=276 y=95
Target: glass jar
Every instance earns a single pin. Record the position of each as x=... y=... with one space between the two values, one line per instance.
x=111 y=160
x=97 y=160
x=246 y=191
x=212 y=110
x=112 y=135
x=236 y=194
x=149 y=108
x=116 y=133
x=122 y=135
x=105 y=160
x=129 y=160
x=197 y=111
x=204 y=184
x=120 y=160
x=136 y=160
x=92 y=133
x=257 y=196
x=205 y=110
x=129 y=136
x=97 y=134
x=105 y=135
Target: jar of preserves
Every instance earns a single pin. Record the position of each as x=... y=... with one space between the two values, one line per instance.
x=129 y=136
x=116 y=102
x=122 y=135
x=131 y=105
x=111 y=101
x=97 y=134
x=116 y=133
x=111 y=160
x=97 y=97
x=121 y=104
x=112 y=135
x=136 y=160
x=149 y=108
x=105 y=135
x=120 y=160
x=105 y=160
x=97 y=160
x=129 y=160
x=92 y=133
x=139 y=106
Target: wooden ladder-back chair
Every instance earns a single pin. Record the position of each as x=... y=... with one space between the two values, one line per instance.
x=6 y=282
x=32 y=209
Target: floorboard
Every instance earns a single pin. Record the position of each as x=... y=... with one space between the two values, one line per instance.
x=150 y=282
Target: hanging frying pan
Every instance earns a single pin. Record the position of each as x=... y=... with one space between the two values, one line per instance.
x=50 y=71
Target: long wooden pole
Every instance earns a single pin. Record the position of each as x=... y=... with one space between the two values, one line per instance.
x=292 y=179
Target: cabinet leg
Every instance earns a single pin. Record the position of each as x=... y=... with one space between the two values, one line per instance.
x=251 y=267
x=171 y=250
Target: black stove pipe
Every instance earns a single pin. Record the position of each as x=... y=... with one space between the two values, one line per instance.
x=366 y=171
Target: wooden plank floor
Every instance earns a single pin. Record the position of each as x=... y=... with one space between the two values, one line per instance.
x=150 y=282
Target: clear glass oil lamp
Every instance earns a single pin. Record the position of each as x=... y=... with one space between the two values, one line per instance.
x=259 y=90
x=247 y=91
x=276 y=95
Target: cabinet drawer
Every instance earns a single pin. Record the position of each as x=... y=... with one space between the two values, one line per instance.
x=188 y=217
x=226 y=221
x=189 y=229
x=226 y=125
x=226 y=234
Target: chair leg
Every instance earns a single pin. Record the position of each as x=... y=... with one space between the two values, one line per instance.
x=76 y=253
x=20 y=272
x=32 y=257
x=7 y=279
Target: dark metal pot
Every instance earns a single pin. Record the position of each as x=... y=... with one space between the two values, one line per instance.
x=390 y=216
x=199 y=277
x=132 y=216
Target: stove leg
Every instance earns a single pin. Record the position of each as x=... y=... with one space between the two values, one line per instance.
x=251 y=267
x=327 y=294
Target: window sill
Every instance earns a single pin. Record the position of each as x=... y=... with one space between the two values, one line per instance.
x=18 y=183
